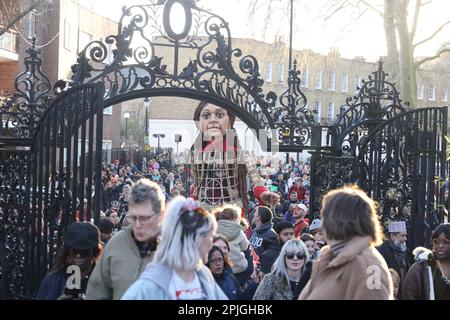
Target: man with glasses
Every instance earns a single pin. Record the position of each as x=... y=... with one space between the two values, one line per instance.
x=129 y=251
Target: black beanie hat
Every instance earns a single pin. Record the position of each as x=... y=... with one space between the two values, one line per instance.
x=82 y=236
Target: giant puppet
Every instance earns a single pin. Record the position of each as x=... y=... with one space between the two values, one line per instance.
x=220 y=166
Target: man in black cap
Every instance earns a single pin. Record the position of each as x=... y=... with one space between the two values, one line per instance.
x=285 y=232
x=68 y=278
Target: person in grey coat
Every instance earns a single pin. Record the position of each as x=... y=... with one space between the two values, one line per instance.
x=291 y=272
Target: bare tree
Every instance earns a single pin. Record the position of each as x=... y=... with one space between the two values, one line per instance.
x=400 y=35
x=14 y=14
x=17 y=15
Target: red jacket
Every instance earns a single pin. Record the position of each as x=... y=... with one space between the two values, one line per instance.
x=301 y=192
x=257 y=191
x=298 y=228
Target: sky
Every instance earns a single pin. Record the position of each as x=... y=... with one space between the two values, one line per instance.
x=352 y=36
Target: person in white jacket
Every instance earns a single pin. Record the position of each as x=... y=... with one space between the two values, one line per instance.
x=228 y=225
x=178 y=271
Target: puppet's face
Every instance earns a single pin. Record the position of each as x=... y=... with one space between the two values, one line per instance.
x=214 y=121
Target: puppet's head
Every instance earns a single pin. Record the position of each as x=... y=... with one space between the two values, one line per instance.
x=212 y=120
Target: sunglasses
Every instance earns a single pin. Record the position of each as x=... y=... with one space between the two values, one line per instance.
x=299 y=255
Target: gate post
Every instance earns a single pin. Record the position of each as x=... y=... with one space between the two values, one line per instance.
x=314 y=204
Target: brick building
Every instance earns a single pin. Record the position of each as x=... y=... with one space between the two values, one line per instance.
x=62 y=29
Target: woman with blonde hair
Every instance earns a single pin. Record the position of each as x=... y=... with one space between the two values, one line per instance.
x=289 y=275
x=177 y=271
x=349 y=267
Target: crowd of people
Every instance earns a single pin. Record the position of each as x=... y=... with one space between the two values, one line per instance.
x=141 y=250
x=225 y=226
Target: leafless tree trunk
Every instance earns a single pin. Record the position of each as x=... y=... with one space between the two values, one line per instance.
x=391 y=39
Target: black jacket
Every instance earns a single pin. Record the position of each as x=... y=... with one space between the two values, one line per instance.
x=264 y=233
x=270 y=254
x=389 y=251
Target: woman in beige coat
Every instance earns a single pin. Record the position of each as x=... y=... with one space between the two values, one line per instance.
x=349 y=267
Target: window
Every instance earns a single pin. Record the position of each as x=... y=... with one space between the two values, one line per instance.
x=344 y=83
x=357 y=83
x=280 y=73
x=31 y=25
x=319 y=80
x=84 y=40
x=67 y=28
x=420 y=90
x=318 y=115
x=8 y=41
x=332 y=81
x=305 y=78
x=269 y=72
x=108 y=111
x=445 y=95
x=106 y=148
x=330 y=116
x=432 y=92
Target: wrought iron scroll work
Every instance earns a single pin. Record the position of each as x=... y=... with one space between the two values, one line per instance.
x=21 y=112
x=399 y=162
x=213 y=67
x=14 y=202
x=329 y=173
x=377 y=101
x=293 y=120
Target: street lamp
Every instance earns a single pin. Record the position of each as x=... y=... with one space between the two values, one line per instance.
x=177 y=140
x=147 y=102
x=159 y=135
x=126 y=115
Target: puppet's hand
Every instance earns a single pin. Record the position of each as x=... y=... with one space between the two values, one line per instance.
x=270 y=198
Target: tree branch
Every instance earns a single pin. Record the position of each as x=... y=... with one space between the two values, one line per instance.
x=437 y=55
x=338 y=7
x=415 y=19
x=432 y=36
x=20 y=16
x=372 y=7
x=425 y=3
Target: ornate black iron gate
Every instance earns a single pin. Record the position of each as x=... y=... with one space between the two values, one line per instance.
x=65 y=172
x=393 y=153
x=397 y=156
x=14 y=202
x=42 y=189
x=401 y=164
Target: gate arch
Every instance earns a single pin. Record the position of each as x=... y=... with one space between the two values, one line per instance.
x=216 y=71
